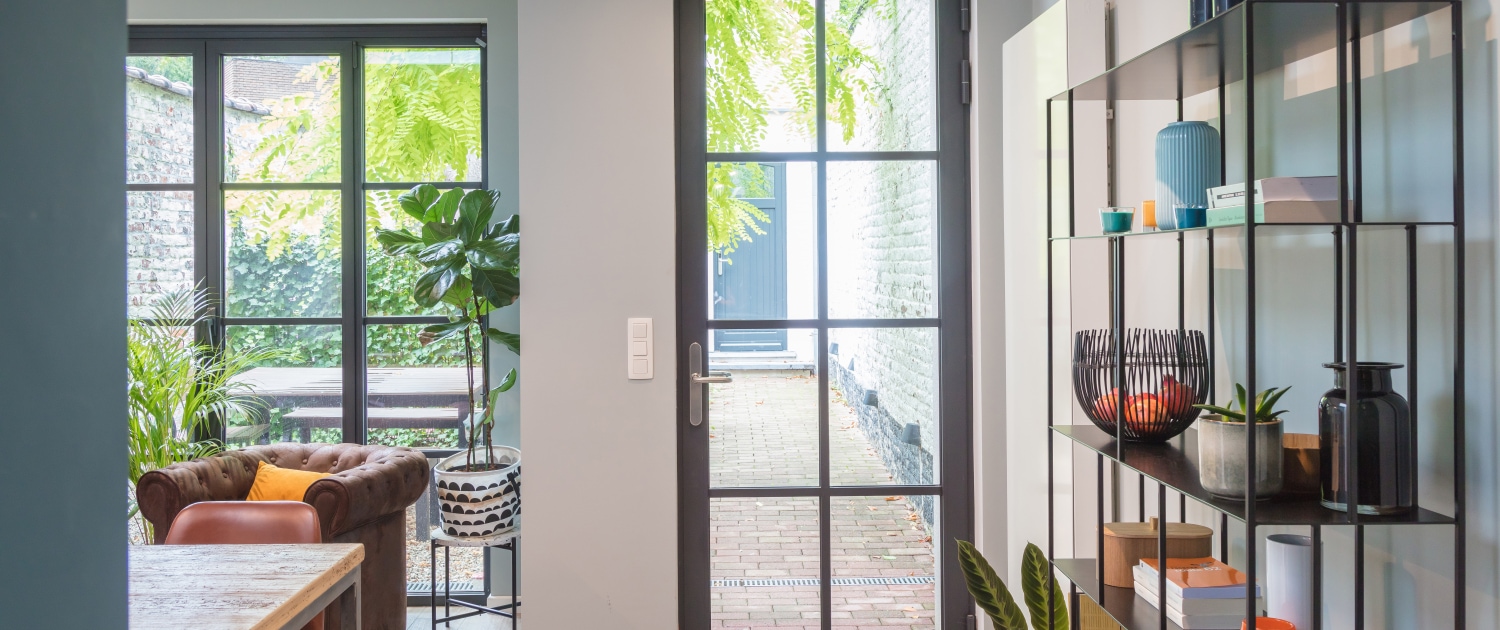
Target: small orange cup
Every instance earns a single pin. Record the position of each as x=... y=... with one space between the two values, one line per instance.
x=1269 y=623
x=1148 y=213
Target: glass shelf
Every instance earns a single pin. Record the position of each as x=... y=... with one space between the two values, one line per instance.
x=1175 y=464
x=1365 y=224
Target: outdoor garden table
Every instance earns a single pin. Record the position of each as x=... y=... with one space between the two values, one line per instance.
x=403 y=387
x=241 y=587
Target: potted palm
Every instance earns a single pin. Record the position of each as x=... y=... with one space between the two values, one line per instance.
x=473 y=267
x=1221 y=445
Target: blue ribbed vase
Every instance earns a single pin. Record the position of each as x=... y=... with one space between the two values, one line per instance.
x=1187 y=165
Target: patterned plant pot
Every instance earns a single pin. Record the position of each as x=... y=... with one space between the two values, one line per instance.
x=479 y=504
x=1187 y=165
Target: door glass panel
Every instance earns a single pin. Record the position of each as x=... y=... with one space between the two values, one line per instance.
x=389 y=279
x=423 y=115
x=882 y=406
x=158 y=246
x=281 y=118
x=761 y=80
x=763 y=426
x=283 y=253
x=882 y=75
x=764 y=563
x=296 y=381
x=416 y=393
x=882 y=239
x=884 y=570
x=159 y=119
x=763 y=250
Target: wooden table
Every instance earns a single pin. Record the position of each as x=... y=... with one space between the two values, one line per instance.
x=240 y=587
x=409 y=387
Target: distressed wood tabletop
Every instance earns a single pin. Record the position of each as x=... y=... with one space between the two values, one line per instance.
x=232 y=587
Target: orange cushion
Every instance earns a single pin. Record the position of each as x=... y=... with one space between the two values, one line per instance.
x=281 y=484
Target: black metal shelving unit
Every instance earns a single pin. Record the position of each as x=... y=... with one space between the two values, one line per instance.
x=1250 y=38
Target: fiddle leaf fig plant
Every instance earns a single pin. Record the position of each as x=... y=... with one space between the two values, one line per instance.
x=1264 y=403
x=472 y=265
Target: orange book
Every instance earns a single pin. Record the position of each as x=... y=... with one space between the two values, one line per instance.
x=1201 y=578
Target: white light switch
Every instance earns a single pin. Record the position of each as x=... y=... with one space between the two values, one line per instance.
x=640 y=359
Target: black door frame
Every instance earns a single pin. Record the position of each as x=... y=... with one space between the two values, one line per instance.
x=955 y=484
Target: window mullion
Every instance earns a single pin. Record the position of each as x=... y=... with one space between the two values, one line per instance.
x=353 y=242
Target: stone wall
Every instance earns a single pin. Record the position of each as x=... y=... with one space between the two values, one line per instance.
x=883 y=247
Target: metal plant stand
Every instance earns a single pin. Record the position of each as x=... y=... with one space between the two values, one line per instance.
x=510 y=541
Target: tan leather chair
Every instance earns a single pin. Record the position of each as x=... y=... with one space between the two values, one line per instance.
x=248 y=523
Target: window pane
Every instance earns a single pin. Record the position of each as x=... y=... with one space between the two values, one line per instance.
x=882 y=81
x=882 y=239
x=883 y=407
x=763 y=247
x=159 y=247
x=417 y=394
x=389 y=279
x=299 y=384
x=764 y=563
x=884 y=568
x=423 y=115
x=761 y=79
x=283 y=253
x=159 y=119
x=281 y=119
x=763 y=426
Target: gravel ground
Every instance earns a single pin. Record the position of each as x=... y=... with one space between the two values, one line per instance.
x=467 y=563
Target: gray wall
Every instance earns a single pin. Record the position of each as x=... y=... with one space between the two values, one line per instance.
x=62 y=358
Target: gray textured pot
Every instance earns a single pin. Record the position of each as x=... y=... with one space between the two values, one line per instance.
x=1221 y=458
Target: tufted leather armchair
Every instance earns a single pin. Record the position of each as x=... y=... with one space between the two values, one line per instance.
x=363 y=502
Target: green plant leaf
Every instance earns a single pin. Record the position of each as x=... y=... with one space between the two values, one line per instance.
x=988 y=591
x=440 y=252
x=474 y=213
x=1264 y=409
x=505 y=384
x=1243 y=397
x=443 y=209
x=1230 y=415
x=398 y=242
x=416 y=201
x=498 y=286
x=501 y=252
x=433 y=285
x=439 y=332
x=1034 y=572
x=509 y=340
x=511 y=225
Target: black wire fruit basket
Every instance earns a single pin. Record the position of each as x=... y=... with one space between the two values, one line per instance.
x=1166 y=373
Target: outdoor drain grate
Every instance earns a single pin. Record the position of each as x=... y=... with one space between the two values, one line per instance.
x=425 y=588
x=850 y=581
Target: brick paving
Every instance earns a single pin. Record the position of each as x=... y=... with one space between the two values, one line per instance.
x=764 y=432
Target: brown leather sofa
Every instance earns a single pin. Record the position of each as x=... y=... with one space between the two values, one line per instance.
x=364 y=501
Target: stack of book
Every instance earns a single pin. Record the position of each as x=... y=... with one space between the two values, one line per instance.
x=1202 y=593
x=1278 y=200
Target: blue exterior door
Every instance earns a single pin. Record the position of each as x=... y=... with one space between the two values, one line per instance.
x=750 y=283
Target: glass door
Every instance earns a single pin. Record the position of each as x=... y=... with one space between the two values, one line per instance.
x=823 y=283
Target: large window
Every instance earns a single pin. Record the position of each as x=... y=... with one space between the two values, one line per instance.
x=261 y=160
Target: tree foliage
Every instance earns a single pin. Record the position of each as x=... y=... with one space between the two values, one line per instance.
x=760 y=52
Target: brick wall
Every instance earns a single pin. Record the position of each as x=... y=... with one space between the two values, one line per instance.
x=883 y=247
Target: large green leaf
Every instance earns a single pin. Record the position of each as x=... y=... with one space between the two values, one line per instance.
x=501 y=252
x=988 y=590
x=509 y=340
x=1034 y=573
x=443 y=209
x=442 y=252
x=474 y=213
x=434 y=232
x=461 y=294
x=511 y=225
x=431 y=286
x=416 y=201
x=398 y=242
x=506 y=383
x=499 y=286
x=439 y=332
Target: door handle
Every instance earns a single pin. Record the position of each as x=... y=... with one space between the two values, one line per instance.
x=698 y=383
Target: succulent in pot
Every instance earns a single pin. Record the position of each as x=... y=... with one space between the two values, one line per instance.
x=1222 y=466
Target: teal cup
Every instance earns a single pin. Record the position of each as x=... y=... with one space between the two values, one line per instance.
x=1190 y=216
x=1115 y=220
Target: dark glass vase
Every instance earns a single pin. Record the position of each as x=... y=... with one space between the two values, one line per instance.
x=1383 y=451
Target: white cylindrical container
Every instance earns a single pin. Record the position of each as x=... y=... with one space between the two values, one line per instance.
x=1289 y=568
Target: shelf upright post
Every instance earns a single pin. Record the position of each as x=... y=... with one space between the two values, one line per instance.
x=1250 y=468
x=1411 y=346
x=1351 y=310
x=1460 y=470
x=1051 y=511
x=1317 y=589
x=1161 y=553
x=1099 y=526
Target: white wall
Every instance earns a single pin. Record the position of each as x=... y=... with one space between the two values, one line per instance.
x=597 y=164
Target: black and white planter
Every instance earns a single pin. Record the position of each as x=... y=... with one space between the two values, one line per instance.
x=479 y=504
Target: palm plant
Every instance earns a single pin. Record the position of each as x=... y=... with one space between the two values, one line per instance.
x=1235 y=410
x=178 y=386
x=471 y=266
x=992 y=596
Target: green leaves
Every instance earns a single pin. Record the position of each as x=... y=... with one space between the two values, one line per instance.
x=1264 y=403
x=398 y=242
x=509 y=340
x=505 y=384
x=988 y=591
x=1035 y=571
x=474 y=214
x=499 y=287
x=431 y=287
x=416 y=201
x=500 y=252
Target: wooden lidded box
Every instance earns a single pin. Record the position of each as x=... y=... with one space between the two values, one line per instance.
x=1126 y=543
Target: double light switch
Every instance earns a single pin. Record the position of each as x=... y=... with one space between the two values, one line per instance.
x=641 y=340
